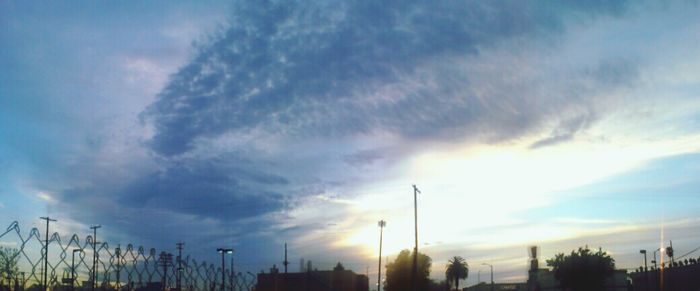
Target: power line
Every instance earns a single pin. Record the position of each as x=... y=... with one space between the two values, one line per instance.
x=688 y=253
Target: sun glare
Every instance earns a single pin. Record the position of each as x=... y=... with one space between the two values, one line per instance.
x=467 y=189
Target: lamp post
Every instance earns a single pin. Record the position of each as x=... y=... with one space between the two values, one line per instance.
x=223 y=252
x=381 y=224
x=646 y=271
x=72 y=269
x=485 y=264
x=659 y=250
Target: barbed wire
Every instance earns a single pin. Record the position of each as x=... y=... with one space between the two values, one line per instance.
x=126 y=269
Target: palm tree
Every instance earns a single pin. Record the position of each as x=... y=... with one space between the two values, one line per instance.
x=457 y=269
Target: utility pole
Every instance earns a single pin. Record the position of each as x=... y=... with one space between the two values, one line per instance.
x=94 y=255
x=414 y=273
x=165 y=260
x=178 y=283
x=382 y=224
x=285 y=263
x=46 y=251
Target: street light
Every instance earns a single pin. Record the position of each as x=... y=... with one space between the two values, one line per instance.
x=646 y=273
x=72 y=269
x=381 y=224
x=661 y=252
x=485 y=264
x=223 y=252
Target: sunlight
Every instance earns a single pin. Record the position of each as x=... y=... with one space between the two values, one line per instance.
x=467 y=189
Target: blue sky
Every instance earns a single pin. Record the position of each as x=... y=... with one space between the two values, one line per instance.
x=248 y=124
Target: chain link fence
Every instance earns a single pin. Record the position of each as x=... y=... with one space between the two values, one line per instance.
x=70 y=267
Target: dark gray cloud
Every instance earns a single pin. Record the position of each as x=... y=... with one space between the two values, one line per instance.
x=302 y=69
x=207 y=188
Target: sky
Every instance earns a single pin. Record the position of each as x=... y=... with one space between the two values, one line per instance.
x=248 y=124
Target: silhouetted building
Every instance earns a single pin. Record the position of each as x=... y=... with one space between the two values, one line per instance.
x=151 y=286
x=543 y=280
x=339 y=280
x=684 y=276
x=483 y=286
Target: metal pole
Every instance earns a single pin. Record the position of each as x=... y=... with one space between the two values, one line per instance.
x=657 y=272
x=415 y=250
x=178 y=282
x=72 y=268
x=223 y=266
x=46 y=252
x=646 y=271
x=382 y=223
x=491 y=266
x=94 y=255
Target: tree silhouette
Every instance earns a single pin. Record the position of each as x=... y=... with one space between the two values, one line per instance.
x=439 y=286
x=8 y=262
x=339 y=267
x=457 y=269
x=398 y=272
x=582 y=270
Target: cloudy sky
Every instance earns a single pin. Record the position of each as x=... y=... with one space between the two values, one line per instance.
x=254 y=123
